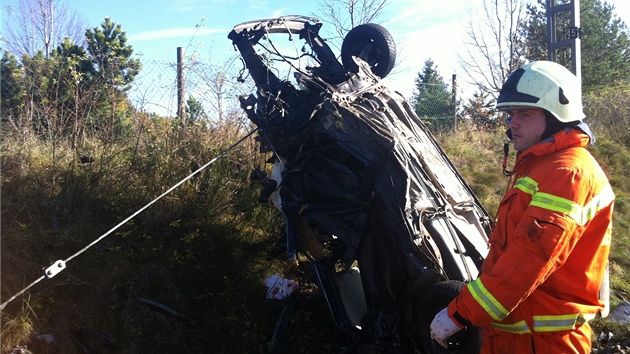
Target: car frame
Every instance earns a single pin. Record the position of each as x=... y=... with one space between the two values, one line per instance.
x=390 y=229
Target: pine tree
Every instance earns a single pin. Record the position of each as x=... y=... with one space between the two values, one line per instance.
x=432 y=99
x=111 y=54
x=481 y=110
x=12 y=90
x=605 y=42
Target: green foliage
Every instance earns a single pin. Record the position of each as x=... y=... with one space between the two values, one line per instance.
x=605 y=42
x=481 y=111
x=195 y=112
x=73 y=90
x=432 y=100
x=202 y=250
x=608 y=110
x=605 y=45
x=614 y=156
x=111 y=54
x=68 y=49
x=11 y=93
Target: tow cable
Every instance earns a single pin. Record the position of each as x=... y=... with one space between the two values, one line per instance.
x=60 y=265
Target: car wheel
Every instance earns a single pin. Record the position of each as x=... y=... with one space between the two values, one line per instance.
x=372 y=43
x=431 y=301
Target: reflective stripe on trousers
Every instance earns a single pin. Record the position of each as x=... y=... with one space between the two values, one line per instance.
x=577 y=341
x=545 y=323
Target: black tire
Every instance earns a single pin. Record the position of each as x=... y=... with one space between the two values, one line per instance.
x=382 y=54
x=431 y=301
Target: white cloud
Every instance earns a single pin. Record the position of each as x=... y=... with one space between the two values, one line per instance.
x=423 y=14
x=278 y=13
x=423 y=30
x=199 y=5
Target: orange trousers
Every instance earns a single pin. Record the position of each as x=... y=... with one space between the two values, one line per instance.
x=577 y=341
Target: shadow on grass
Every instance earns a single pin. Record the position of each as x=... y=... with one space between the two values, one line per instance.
x=185 y=285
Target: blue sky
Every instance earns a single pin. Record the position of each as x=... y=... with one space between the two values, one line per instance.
x=422 y=28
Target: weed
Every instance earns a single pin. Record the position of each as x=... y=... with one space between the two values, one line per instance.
x=187 y=275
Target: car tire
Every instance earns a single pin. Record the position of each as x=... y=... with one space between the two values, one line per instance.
x=431 y=301
x=381 y=57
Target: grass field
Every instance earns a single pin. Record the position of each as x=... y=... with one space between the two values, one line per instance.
x=187 y=275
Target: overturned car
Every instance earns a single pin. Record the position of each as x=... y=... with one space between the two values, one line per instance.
x=390 y=228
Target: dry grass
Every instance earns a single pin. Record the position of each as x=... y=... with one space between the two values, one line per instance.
x=478 y=155
x=202 y=252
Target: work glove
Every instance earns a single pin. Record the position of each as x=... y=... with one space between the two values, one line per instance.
x=443 y=327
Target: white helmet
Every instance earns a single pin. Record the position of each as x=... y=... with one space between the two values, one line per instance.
x=546 y=85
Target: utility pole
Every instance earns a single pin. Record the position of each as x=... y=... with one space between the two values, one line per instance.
x=560 y=36
x=454 y=95
x=556 y=13
x=181 y=89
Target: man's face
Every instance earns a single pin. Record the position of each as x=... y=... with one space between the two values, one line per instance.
x=527 y=125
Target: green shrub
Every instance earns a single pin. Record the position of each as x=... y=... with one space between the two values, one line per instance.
x=202 y=250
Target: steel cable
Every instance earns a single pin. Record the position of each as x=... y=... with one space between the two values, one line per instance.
x=59 y=265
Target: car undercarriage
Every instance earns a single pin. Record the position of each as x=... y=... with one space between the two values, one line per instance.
x=390 y=228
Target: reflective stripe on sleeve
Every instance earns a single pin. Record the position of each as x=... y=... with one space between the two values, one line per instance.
x=527 y=185
x=485 y=299
x=602 y=200
x=581 y=214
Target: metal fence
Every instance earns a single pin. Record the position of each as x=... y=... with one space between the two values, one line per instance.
x=215 y=89
x=155 y=90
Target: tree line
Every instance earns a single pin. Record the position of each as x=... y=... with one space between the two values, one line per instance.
x=65 y=86
x=73 y=87
x=520 y=35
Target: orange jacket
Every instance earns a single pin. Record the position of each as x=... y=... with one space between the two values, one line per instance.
x=550 y=244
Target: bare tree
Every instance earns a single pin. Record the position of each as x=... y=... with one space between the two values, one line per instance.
x=344 y=15
x=494 y=47
x=41 y=25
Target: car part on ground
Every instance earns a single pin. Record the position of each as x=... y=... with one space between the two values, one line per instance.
x=362 y=185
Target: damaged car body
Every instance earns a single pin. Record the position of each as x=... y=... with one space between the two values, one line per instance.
x=390 y=228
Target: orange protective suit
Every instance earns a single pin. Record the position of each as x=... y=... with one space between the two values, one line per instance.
x=539 y=284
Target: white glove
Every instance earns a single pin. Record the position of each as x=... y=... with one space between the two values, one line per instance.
x=442 y=328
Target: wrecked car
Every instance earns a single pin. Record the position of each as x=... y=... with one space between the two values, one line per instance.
x=389 y=227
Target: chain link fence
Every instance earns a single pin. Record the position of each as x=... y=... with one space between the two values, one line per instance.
x=212 y=88
x=40 y=90
x=210 y=93
x=435 y=104
x=155 y=90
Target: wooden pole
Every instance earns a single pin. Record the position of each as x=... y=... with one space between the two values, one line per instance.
x=454 y=94
x=181 y=90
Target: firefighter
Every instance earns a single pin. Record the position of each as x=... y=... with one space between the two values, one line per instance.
x=540 y=282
